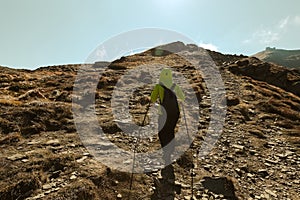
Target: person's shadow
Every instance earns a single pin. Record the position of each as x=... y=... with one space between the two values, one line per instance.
x=165 y=187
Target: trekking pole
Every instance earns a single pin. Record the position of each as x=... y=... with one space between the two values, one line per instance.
x=192 y=170
x=134 y=152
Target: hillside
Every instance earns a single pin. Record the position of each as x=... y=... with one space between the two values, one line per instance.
x=255 y=157
x=287 y=58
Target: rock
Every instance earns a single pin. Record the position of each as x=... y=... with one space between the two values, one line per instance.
x=189 y=197
x=258 y=133
x=238 y=171
x=256 y=197
x=240 y=147
x=32 y=94
x=220 y=185
x=207 y=167
x=253 y=152
x=48 y=191
x=55 y=174
x=72 y=145
x=105 y=145
x=54 y=94
x=167 y=49
x=115 y=183
x=17 y=157
x=242 y=62
x=81 y=159
x=198 y=195
x=54 y=142
x=281 y=155
x=39 y=196
x=87 y=154
x=265 y=196
x=263 y=172
x=184 y=186
x=289 y=153
x=271 y=144
x=33 y=142
x=245 y=168
x=285 y=154
x=272 y=161
x=47 y=186
x=267 y=164
x=270 y=192
x=119 y=196
x=127 y=162
x=232 y=100
x=249 y=175
x=229 y=157
x=73 y=177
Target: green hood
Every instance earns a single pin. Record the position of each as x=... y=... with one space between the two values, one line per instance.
x=166 y=77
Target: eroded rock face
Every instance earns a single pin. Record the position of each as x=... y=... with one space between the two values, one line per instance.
x=258 y=151
x=287 y=79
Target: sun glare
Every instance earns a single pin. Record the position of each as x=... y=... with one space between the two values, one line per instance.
x=169 y=4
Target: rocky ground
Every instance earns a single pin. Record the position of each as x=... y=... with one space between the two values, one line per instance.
x=256 y=157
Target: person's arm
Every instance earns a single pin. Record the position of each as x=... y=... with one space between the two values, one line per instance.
x=158 y=91
x=179 y=93
x=154 y=93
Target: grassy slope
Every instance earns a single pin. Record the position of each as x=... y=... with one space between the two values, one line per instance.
x=288 y=58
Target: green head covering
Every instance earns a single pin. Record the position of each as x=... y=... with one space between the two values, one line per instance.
x=166 y=77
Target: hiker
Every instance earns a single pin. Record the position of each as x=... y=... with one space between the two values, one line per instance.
x=167 y=92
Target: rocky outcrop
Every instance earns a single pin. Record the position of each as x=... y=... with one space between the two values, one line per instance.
x=287 y=79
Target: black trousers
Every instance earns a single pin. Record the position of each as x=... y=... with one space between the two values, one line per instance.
x=166 y=124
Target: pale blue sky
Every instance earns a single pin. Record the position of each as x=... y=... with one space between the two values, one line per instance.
x=38 y=33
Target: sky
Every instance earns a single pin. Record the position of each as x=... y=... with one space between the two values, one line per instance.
x=37 y=33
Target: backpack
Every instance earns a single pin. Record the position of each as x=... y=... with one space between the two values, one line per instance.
x=170 y=102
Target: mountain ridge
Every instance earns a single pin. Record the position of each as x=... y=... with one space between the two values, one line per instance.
x=283 y=57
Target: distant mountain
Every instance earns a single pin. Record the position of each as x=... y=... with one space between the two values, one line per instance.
x=287 y=58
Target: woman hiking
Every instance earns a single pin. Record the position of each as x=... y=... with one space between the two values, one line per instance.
x=167 y=92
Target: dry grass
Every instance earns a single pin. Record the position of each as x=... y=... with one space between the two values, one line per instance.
x=11 y=138
x=21 y=187
x=294 y=136
x=257 y=133
x=7 y=126
x=280 y=108
x=10 y=102
x=79 y=190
